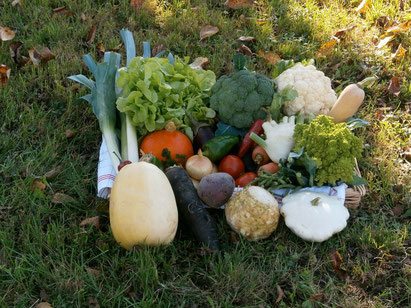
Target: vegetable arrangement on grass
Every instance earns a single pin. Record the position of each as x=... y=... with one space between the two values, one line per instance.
x=173 y=108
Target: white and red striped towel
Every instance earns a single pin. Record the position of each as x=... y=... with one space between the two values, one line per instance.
x=107 y=174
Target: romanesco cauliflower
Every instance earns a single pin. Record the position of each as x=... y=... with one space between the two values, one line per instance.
x=315 y=95
x=333 y=148
x=239 y=97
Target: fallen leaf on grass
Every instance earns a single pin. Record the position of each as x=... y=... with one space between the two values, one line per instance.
x=6 y=34
x=42 y=55
x=327 y=48
x=233 y=237
x=115 y=49
x=69 y=133
x=4 y=74
x=398 y=210
x=92 y=221
x=100 y=49
x=319 y=297
x=15 y=2
x=336 y=261
x=93 y=303
x=93 y=271
x=43 y=305
x=385 y=41
x=208 y=31
x=38 y=185
x=363 y=7
x=239 y=4
x=341 y=33
x=405 y=26
x=250 y=20
x=280 y=294
x=399 y=54
x=15 y=49
x=53 y=172
x=83 y=17
x=246 y=39
x=61 y=11
x=245 y=50
x=394 y=87
x=270 y=57
x=60 y=198
x=383 y=21
x=91 y=35
x=200 y=63
x=136 y=4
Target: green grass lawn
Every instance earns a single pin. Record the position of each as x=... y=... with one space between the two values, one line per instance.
x=45 y=256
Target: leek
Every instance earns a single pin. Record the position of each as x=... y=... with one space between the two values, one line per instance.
x=103 y=99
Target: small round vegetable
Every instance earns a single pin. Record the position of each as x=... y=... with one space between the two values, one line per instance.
x=245 y=179
x=177 y=143
x=260 y=156
x=199 y=165
x=270 y=167
x=233 y=165
x=253 y=212
x=216 y=189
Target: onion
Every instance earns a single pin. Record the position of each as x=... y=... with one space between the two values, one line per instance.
x=198 y=166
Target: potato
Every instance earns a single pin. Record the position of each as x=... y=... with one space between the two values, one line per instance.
x=216 y=189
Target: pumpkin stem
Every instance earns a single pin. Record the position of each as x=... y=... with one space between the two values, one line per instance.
x=170 y=127
x=315 y=201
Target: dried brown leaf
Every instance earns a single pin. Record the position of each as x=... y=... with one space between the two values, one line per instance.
x=43 y=305
x=245 y=50
x=398 y=210
x=319 y=297
x=383 y=22
x=208 y=31
x=42 y=55
x=270 y=57
x=117 y=48
x=15 y=49
x=93 y=271
x=327 y=48
x=336 y=261
x=399 y=54
x=405 y=26
x=136 y=4
x=38 y=185
x=83 y=17
x=239 y=4
x=100 y=49
x=6 y=34
x=93 y=303
x=60 y=198
x=157 y=49
x=200 y=63
x=4 y=74
x=53 y=172
x=69 y=133
x=233 y=237
x=92 y=221
x=363 y=7
x=61 y=11
x=394 y=87
x=385 y=41
x=341 y=33
x=91 y=35
x=280 y=294
x=246 y=39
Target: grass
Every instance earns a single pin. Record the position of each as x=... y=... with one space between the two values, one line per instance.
x=46 y=256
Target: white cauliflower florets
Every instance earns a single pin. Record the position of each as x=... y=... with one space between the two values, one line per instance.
x=315 y=95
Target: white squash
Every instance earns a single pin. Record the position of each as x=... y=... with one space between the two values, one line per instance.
x=143 y=208
x=314 y=216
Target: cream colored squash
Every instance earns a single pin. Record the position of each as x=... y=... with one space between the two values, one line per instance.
x=143 y=208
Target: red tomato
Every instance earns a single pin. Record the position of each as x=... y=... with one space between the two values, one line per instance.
x=245 y=179
x=233 y=165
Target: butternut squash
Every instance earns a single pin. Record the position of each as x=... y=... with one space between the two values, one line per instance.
x=143 y=208
x=349 y=101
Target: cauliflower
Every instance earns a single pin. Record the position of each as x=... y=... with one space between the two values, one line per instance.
x=315 y=95
x=333 y=148
x=239 y=97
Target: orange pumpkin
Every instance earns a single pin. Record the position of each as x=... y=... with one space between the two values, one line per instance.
x=177 y=143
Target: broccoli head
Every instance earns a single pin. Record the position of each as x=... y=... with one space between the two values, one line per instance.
x=239 y=97
x=333 y=148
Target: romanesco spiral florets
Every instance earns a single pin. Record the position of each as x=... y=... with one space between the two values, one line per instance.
x=333 y=147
